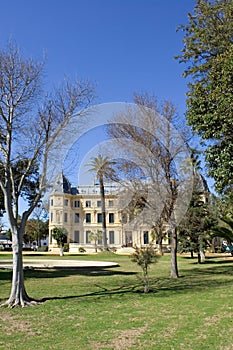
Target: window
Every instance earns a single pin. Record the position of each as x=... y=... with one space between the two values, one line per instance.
x=65 y=217
x=131 y=217
x=87 y=237
x=98 y=204
x=51 y=202
x=51 y=217
x=124 y=218
x=88 y=204
x=76 y=204
x=88 y=217
x=76 y=218
x=111 y=218
x=110 y=203
x=76 y=237
x=169 y=235
x=145 y=237
x=66 y=202
x=111 y=237
x=99 y=217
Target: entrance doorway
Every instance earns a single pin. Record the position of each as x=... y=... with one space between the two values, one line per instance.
x=128 y=239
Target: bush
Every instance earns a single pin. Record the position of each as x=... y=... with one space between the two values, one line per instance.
x=43 y=248
x=81 y=250
x=66 y=247
x=144 y=257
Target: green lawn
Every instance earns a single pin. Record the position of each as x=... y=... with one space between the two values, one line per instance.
x=106 y=309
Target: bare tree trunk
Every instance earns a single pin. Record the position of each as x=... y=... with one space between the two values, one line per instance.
x=96 y=248
x=202 y=256
x=146 y=281
x=18 y=295
x=104 y=226
x=174 y=266
x=160 y=245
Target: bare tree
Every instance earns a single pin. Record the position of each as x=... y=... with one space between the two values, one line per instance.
x=29 y=126
x=152 y=143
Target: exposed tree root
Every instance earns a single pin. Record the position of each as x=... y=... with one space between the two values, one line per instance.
x=13 y=303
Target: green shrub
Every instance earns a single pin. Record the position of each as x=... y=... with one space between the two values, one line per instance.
x=66 y=247
x=145 y=256
x=43 y=248
x=81 y=250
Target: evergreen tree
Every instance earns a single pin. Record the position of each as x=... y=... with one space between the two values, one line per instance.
x=194 y=229
x=208 y=53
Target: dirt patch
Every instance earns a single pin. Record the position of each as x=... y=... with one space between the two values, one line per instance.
x=124 y=339
x=11 y=324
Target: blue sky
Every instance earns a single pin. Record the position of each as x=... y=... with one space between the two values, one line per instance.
x=122 y=46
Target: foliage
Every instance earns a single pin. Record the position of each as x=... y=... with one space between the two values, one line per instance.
x=224 y=204
x=81 y=250
x=145 y=256
x=66 y=247
x=225 y=231
x=36 y=229
x=60 y=235
x=102 y=167
x=42 y=249
x=31 y=182
x=95 y=236
x=208 y=50
x=194 y=229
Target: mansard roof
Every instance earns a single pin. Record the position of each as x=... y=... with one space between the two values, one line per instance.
x=62 y=185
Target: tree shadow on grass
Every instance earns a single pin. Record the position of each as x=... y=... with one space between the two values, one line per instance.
x=5 y=274
x=164 y=287
x=208 y=269
x=124 y=289
x=194 y=280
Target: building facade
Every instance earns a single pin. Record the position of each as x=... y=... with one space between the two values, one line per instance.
x=78 y=210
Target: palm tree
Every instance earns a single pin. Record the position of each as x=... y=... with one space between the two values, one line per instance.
x=102 y=167
x=95 y=236
x=224 y=231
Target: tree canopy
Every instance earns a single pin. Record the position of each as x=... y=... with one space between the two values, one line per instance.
x=208 y=55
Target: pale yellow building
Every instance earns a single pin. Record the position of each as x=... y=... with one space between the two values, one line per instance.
x=78 y=210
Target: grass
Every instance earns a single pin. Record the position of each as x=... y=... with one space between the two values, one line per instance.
x=106 y=309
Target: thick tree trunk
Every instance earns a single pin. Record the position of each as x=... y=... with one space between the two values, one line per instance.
x=18 y=295
x=104 y=226
x=174 y=266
